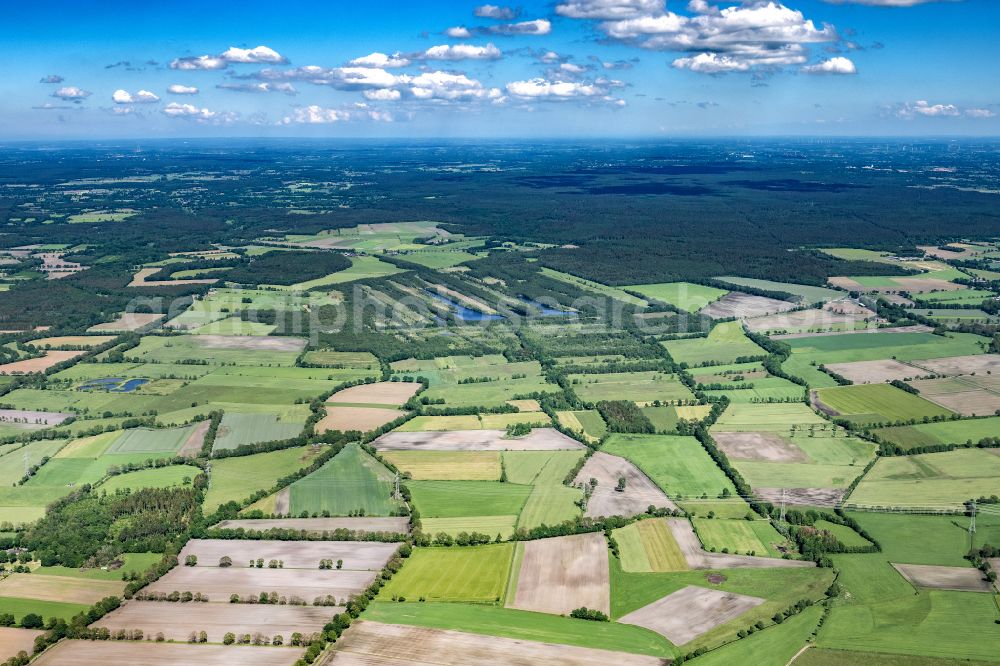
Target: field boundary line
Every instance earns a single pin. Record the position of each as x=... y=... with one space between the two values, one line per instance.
x=799 y=653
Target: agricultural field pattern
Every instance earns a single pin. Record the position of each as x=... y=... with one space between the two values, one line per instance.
x=353 y=425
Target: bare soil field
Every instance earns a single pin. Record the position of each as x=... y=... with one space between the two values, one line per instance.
x=369 y=643
x=219 y=583
x=140 y=279
x=103 y=653
x=889 y=329
x=967 y=395
x=379 y=393
x=356 y=418
x=686 y=614
x=87 y=341
x=875 y=372
x=540 y=439
x=320 y=525
x=40 y=364
x=561 y=574
x=964 y=579
x=764 y=446
x=896 y=299
x=357 y=555
x=744 y=306
x=192 y=446
x=845 y=306
x=59 y=588
x=14 y=640
x=251 y=342
x=29 y=418
x=962 y=365
x=827 y=497
x=282 y=501
x=639 y=491
x=129 y=321
x=216 y=619
x=698 y=558
x=813 y=318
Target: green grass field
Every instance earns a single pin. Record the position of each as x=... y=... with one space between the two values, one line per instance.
x=239 y=429
x=145 y=440
x=744 y=537
x=641 y=387
x=455 y=499
x=362 y=267
x=351 y=481
x=476 y=573
x=132 y=563
x=539 y=467
x=775 y=646
x=523 y=625
x=725 y=344
x=827 y=657
x=948 y=432
x=235 y=479
x=489 y=525
x=47 y=609
x=438 y=259
x=678 y=465
x=902 y=346
x=868 y=403
x=684 y=295
x=589 y=422
x=648 y=545
x=932 y=480
x=767 y=418
x=180 y=348
x=162 y=477
x=13 y=460
x=549 y=504
x=844 y=534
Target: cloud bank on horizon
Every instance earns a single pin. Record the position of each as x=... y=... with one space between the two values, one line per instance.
x=584 y=66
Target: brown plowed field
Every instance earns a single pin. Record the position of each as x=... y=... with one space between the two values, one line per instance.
x=219 y=583
x=639 y=492
x=829 y=497
x=564 y=573
x=320 y=525
x=115 y=653
x=356 y=418
x=690 y=612
x=251 y=342
x=358 y=555
x=964 y=579
x=379 y=393
x=765 y=446
x=744 y=306
x=876 y=372
x=540 y=439
x=14 y=640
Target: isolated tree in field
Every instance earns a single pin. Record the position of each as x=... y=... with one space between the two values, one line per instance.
x=191 y=560
x=202 y=637
x=621 y=484
x=229 y=638
x=340 y=564
x=225 y=561
x=277 y=640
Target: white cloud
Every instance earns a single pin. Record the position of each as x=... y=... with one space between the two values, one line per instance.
x=318 y=115
x=382 y=95
x=980 y=113
x=550 y=57
x=837 y=65
x=263 y=87
x=450 y=87
x=199 y=62
x=609 y=10
x=711 y=63
x=496 y=12
x=141 y=97
x=177 y=89
x=175 y=110
x=52 y=78
x=572 y=68
x=926 y=109
x=539 y=89
x=756 y=34
x=380 y=60
x=458 y=32
x=886 y=3
x=536 y=27
x=461 y=52
x=72 y=93
x=256 y=55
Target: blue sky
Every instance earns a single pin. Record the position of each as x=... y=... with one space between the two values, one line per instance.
x=568 y=68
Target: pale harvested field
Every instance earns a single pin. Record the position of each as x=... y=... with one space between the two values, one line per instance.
x=320 y=525
x=962 y=395
x=359 y=555
x=379 y=393
x=87 y=341
x=526 y=405
x=192 y=446
x=698 y=558
x=690 y=612
x=540 y=439
x=896 y=299
x=845 y=306
x=764 y=446
x=920 y=328
x=40 y=364
x=282 y=501
x=561 y=574
x=807 y=319
x=744 y=306
x=103 y=653
x=139 y=279
x=29 y=418
x=356 y=418
x=875 y=372
x=962 y=365
x=921 y=285
x=828 y=497
x=639 y=492
x=964 y=579
x=128 y=321
x=219 y=583
x=177 y=621
x=369 y=643
x=59 y=588
x=14 y=640
x=251 y=342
